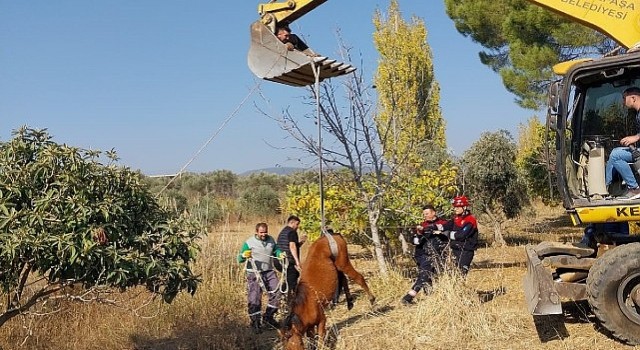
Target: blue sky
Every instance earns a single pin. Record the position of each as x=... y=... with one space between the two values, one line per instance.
x=156 y=79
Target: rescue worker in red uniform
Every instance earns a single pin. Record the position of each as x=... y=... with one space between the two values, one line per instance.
x=462 y=232
x=428 y=250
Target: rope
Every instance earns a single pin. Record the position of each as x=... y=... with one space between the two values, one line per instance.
x=282 y=287
x=284 y=284
x=224 y=123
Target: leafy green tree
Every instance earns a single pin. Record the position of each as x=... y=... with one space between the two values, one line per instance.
x=261 y=194
x=491 y=179
x=174 y=199
x=69 y=221
x=208 y=209
x=535 y=160
x=523 y=41
x=255 y=180
x=344 y=211
x=223 y=183
x=194 y=185
x=410 y=116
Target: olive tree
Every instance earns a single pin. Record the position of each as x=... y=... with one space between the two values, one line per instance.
x=71 y=225
x=491 y=179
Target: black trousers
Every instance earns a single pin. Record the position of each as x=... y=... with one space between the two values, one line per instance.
x=429 y=260
x=292 y=277
x=463 y=259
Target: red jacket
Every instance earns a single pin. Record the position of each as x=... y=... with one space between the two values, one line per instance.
x=463 y=231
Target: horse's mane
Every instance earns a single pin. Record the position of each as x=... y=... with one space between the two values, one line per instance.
x=298 y=299
x=300 y=296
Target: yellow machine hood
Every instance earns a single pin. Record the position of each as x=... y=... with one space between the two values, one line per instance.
x=619 y=19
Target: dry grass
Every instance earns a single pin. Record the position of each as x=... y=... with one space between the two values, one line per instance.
x=485 y=311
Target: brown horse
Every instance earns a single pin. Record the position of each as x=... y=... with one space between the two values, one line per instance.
x=317 y=287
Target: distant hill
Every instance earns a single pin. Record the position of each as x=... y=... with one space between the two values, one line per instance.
x=274 y=170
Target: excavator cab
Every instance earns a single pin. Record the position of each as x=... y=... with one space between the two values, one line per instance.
x=270 y=59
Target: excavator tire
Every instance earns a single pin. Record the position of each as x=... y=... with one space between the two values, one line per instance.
x=612 y=286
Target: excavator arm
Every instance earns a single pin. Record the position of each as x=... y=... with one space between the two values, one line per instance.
x=269 y=59
x=285 y=12
x=620 y=20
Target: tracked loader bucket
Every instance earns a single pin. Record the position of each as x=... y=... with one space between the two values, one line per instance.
x=269 y=59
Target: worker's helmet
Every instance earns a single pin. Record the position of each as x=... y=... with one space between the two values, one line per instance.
x=460 y=201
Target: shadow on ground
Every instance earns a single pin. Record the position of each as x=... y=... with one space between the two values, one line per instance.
x=334 y=330
x=231 y=335
x=557 y=228
x=486 y=296
x=489 y=264
x=552 y=327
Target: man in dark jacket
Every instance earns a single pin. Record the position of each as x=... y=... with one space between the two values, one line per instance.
x=293 y=42
x=428 y=250
x=289 y=242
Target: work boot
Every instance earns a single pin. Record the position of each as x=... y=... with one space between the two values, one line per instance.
x=272 y=322
x=632 y=193
x=254 y=316
x=269 y=319
x=407 y=300
x=255 y=324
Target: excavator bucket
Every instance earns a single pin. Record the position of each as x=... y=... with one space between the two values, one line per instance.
x=269 y=59
x=539 y=289
x=556 y=271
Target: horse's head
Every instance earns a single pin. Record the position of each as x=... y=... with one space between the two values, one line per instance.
x=292 y=340
x=290 y=333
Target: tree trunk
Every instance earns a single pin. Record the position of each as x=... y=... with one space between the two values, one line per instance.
x=498 y=239
x=403 y=243
x=39 y=296
x=374 y=214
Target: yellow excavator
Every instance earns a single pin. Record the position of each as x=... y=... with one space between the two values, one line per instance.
x=269 y=58
x=587 y=114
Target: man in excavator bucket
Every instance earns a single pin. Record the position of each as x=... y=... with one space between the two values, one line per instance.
x=293 y=42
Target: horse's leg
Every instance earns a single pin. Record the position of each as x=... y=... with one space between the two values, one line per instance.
x=343 y=285
x=295 y=341
x=311 y=335
x=311 y=332
x=322 y=330
x=343 y=264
